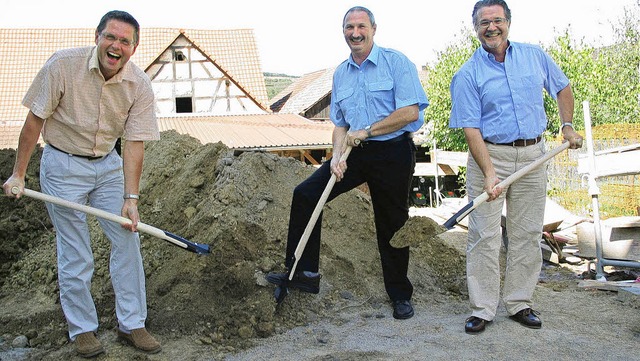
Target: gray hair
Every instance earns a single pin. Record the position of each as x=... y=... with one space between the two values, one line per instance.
x=484 y=3
x=359 y=8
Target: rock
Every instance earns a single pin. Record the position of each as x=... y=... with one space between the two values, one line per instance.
x=20 y=342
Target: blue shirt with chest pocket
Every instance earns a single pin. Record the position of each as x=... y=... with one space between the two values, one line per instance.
x=505 y=100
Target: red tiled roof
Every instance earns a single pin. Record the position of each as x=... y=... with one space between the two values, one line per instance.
x=10 y=133
x=304 y=92
x=263 y=131
x=24 y=51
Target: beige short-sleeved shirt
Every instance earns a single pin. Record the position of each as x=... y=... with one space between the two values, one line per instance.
x=83 y=113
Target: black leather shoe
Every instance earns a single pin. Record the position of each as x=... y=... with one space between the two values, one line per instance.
x=474 y=325
x=305 y=281
x=528 y=318
x=402 y=309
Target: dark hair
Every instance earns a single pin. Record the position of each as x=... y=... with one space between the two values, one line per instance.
x=484 y=3
x=360 y=8
x=121 y=16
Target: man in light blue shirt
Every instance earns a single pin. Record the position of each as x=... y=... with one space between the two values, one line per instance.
x=497 y=98
x=377 y=101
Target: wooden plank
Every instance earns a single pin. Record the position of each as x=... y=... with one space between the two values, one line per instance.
x=458 y=159
x=612 y=164
x=610 y=285
x=447 y=169
x=426 y=169
x=624 y=148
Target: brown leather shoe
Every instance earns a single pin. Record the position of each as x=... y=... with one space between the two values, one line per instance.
x=140 y=339
x=87 y=345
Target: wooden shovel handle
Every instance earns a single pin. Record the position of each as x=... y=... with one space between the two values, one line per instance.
x=464 y=211
x=316 y=213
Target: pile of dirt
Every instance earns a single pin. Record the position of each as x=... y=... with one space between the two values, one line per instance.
x=237 y=204
x=218 y=306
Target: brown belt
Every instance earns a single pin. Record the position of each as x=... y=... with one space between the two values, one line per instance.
x=520 y=142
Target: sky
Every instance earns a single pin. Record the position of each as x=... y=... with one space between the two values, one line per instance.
x=296 y=37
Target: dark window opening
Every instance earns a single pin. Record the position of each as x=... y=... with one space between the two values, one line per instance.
x=184 y=105
x=179 y=56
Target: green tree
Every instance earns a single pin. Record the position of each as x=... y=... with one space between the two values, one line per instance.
x=607 y=77
x=581 y=66
x=437 y=89
x=621 y=81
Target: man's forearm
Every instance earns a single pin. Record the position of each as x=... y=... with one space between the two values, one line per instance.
x=27 y=143
x=479 y=151
x=133 y=158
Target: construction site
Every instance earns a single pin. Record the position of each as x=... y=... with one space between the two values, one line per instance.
x=218 y=306
x=222 y=176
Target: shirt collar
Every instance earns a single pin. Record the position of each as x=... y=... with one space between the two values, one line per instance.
x=373 y=57
x=488 y=55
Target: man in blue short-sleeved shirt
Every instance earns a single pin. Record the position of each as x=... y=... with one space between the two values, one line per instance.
x=377 y=101
x=497 y=98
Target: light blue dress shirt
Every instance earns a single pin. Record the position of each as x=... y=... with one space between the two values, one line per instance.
x=362 y=95
x=505 y=100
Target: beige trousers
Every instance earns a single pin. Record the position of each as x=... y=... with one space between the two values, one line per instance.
x=525 y=201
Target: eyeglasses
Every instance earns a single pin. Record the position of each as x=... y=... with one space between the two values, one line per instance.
x=497 y=22
x=112 y=38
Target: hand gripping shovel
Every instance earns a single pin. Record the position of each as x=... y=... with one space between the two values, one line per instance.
x=167 y=236
x=464 y=211
x=282 y=290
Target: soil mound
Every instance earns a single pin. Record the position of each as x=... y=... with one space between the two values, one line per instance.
x=237 y=204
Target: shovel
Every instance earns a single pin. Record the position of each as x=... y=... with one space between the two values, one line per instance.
x=464 y=211
x=282 y=290
x=167 y=236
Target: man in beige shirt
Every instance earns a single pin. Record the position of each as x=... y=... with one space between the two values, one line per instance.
x=82 y=101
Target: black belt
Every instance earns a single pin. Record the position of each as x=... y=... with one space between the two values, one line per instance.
x=89 y=157
x=401 y=137
x=520 y=142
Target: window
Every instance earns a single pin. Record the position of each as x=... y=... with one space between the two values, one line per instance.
x=184 y=105
x=179 y=56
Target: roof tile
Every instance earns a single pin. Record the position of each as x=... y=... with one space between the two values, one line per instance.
x=24 y=51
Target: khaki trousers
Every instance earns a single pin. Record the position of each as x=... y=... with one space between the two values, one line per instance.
x=100 y=184
x=525 y=201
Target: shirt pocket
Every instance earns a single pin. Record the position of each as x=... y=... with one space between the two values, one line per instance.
x=532 y=87
x=346 y=102
x=380 y=87
x=343 y=94
x=381 y=95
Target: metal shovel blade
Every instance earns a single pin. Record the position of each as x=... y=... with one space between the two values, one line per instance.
x=198 y=248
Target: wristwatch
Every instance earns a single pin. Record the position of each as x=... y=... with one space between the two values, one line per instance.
x=131 y=196
x=368 y=129
x=566 y=125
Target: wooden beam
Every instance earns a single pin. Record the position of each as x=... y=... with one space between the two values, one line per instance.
x=612 y=164
x=308 y=157
x=451 y=158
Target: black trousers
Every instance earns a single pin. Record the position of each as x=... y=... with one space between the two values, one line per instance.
x=387 y=168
